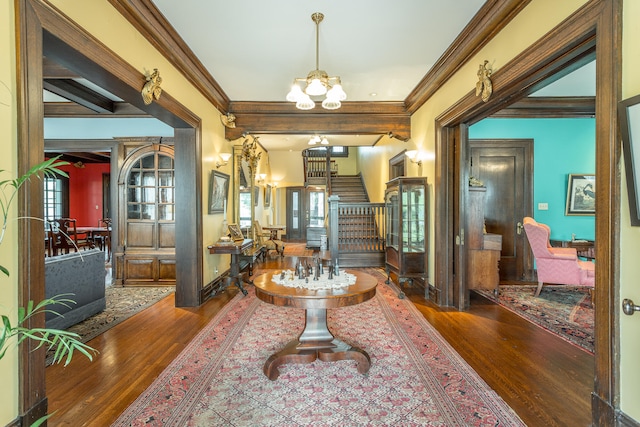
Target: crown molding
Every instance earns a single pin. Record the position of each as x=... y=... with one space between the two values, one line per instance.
x=489 y=21
x=148 y=20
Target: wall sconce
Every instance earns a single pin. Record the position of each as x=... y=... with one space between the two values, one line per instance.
x=261 y=177
x=225 y=159
x=414 y=156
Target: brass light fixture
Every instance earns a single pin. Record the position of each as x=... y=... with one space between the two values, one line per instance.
x=317 y=83
x=224 y=157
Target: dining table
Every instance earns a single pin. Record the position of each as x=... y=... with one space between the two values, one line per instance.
x=275 y=230
x=94 y=232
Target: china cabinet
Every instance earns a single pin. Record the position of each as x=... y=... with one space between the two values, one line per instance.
x=406 y=231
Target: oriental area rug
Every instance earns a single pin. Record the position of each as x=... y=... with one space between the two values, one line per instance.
x=415 y=379
x=566 y=311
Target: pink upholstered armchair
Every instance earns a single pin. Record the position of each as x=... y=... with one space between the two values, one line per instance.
x=559 y=266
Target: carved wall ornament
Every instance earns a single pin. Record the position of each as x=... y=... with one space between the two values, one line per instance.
x=228 y=120
x=151 y=88
x=484 y=88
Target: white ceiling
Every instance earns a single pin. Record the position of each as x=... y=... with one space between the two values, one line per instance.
x=255 y=48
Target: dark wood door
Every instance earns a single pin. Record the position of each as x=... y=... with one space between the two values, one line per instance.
x=505 y=166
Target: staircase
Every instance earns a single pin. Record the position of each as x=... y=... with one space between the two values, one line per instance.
x=350 y=188
x=360 y=235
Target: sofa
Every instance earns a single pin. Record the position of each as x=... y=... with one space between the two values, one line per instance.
x=81 y=274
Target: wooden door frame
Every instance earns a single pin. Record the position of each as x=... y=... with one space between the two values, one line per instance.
x=40 y=27
x=526 y=144
x=593 y=31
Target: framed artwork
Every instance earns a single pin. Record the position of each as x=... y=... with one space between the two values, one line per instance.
x=235 y=232
x=629 y=118
x=581 y=194
x=256 y=195
x=267 y=196
x=218 y=192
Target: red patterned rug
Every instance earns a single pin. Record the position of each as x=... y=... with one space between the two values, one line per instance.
x=567 y=311
x=416 y=378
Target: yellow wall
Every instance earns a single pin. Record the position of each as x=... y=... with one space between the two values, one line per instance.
x=8 y=258
x=100 y=20
x=629 y=236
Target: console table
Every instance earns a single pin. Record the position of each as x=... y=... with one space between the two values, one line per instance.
x=316 y=341
x=235 y=249
x=584 y=248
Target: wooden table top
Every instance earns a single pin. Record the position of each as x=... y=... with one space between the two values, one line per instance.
x=231 y=247
x=269 y=291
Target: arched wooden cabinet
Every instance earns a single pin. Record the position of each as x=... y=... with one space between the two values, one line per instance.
x=146 y=217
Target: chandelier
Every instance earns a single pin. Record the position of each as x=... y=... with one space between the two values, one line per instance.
x=317 y=83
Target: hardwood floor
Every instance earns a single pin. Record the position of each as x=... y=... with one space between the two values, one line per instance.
x=546 y=380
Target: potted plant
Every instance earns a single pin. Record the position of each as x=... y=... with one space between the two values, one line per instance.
x=63 y=343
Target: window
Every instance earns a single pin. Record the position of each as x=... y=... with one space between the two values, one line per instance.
x=56 y=198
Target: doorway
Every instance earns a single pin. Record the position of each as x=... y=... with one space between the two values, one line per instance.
x=505 y=167
x=592 y=32
x=52 y=34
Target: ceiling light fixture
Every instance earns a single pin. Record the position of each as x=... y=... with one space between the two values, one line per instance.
x=317 y=82
x=318 y=139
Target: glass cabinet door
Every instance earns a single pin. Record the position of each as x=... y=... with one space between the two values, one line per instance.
x=393 y=219
x=413 y=217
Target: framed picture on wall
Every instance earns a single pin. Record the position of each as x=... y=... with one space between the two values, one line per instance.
x=581 y=194
x=629 y=117
x=218 y=192
x=267 y=196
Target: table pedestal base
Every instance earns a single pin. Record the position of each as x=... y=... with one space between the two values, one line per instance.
x=316 y=342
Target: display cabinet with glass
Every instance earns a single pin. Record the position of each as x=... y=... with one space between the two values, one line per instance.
x=406 y=229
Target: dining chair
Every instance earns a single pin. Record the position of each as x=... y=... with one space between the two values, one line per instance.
x=264 y=238
x=68 y=237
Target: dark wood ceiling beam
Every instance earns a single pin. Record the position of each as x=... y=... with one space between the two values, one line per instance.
x=372 y=118
x=148 y=20
x=76 y=92
x=550 y=107
x=53 y=70
x=70 y=109
x=489 y=21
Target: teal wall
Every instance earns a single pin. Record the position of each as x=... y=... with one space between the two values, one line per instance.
x=560 y=147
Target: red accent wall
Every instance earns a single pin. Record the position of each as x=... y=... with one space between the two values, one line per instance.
x=85 y=192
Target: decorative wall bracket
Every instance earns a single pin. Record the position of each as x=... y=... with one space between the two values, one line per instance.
x=151 y=88
x=484 y=87
x=228 y=120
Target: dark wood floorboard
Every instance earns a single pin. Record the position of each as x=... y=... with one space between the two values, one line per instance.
x=546 y=380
